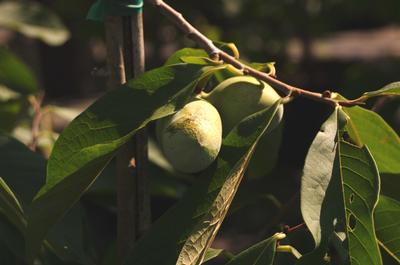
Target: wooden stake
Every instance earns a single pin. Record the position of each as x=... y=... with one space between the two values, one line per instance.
x=125 y=46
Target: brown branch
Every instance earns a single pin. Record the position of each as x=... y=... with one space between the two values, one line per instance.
x=214 y=52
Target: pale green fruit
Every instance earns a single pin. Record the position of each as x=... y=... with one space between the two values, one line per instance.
x=192 y=137
x=238 y=97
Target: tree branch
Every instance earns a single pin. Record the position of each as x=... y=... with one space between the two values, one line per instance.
x=214 y=52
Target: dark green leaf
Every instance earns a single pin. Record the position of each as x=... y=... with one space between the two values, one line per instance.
x=339 y=192
x=91 y=140
x=201 y=211
x=24 y=171
x=15 y=75
x=10 y=207
x=262 y=253
x=266 y=154
x=33 y=20
x=367 y=127
x=387 y=225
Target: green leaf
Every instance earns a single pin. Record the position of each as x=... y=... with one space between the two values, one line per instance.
x=268 y=67
x=24 y=171
x=201 y=211
x=262 y=253
x=340 y=188
x=229 y=47
x=367 y=127
x=10 y=206
x=392 y=89
x=266 y=154
x=212 y=253
x=33 y=20
x=91 y=140
x=185 y=52
x=387 y=217
x=16 y=75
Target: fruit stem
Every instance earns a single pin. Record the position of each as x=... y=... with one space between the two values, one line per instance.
x=216 y=53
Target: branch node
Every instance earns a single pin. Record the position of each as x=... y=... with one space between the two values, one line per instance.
x=327 y=94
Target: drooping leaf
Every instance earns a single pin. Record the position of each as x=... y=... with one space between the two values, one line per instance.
x=392 y=89
x=367 y=127
x=315 y=185
x=201 y=211
x=387 y=225
x=229 y=47
x=268 y=67
x=340 y=188
x=91 y=140
x=33 y=20
x=15 y=75
x=262 y=253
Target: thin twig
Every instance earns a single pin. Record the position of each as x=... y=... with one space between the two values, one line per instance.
x=214 y=52
x=36 y=103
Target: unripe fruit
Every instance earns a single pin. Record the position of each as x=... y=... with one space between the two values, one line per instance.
x=192 y=137
x=238 y=97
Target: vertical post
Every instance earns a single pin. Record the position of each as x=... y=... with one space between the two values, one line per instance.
x=125 y=47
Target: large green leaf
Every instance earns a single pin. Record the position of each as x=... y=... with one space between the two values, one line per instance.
x=199 y=214
x=91 y=140
x=16 y=75
x=387 y=221
x=367 y=127
x=33 y=20
x=262 y=253
x=392 y=89
x=24 y=171
x=339 y=192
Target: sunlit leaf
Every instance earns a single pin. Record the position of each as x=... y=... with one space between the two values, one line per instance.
x=387 y=221
x=339 y=192
x=212 y=253
x=367 y=127
x=185 y=52
x=392 y=89
x=33 y=20
x=201 y=211
x=92 y=139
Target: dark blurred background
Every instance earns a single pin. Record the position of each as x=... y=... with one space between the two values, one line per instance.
x=349 y=46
